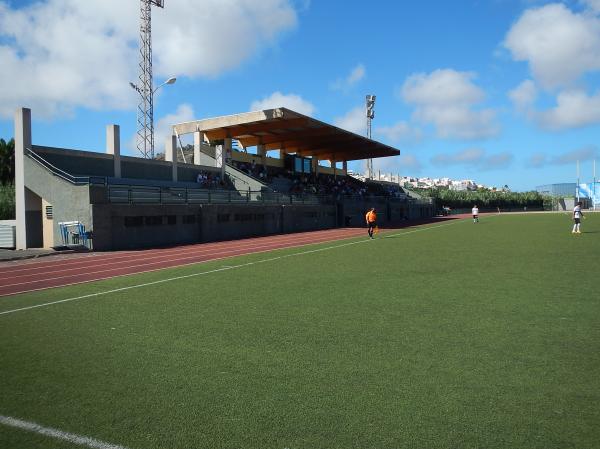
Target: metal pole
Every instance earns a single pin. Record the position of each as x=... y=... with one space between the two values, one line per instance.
x=594 y=185
x=145 y=112
x=577 y=180
x=370 y=110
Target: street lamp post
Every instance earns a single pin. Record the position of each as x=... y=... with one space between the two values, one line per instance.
x=370 y=110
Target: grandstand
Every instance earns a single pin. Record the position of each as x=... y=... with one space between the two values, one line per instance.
x=221 y=191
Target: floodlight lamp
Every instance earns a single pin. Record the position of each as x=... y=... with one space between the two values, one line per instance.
x=134 y=87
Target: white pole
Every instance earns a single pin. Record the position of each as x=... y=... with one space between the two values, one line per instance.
x=577 y=180
x=594 y=186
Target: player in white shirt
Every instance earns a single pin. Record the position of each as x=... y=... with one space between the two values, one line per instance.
x=475 y=212
x=577 y=216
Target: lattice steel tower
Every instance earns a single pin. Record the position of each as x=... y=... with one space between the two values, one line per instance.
x=145 y=112
x=370 y=116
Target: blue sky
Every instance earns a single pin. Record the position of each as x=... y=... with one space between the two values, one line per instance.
x=499 y=91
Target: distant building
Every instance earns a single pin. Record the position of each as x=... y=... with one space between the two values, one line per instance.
x=565 y=189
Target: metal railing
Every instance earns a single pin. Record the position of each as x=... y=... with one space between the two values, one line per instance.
x=75 y=180
x=132 y=194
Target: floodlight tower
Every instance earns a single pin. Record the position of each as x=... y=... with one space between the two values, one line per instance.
x=145 y=112
x=370 y=116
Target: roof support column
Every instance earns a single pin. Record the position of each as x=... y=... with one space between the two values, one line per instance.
x=113 y=146
x=22 y=142
x=200 y=158
x=225 y=155
x=262 y=152
x=171 y=155
x=197 y=147
x=315 y=165
x=345 y=168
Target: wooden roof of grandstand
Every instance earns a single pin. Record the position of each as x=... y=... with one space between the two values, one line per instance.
x=291 y=131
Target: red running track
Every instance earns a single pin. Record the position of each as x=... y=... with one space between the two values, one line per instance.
x=68 y=269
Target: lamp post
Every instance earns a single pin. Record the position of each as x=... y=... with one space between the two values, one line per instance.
x=169 y=81
x=370 y=110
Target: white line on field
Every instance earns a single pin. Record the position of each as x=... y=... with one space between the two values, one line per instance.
x=55 y=433
x=226 y=268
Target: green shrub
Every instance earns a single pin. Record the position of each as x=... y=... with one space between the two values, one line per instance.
x=7 y=202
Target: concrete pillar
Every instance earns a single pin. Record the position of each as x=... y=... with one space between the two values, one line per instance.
x=197 y=148
x=333 y=165
x=171 y=154
x=262 y=153
x=345 y=167
x=225 y=155
x=22 y=142
x=219 y=150
x=113 y=146
x=315 y=165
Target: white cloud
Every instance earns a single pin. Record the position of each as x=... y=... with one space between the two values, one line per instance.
x=290 y=101
x=537 y=160
x=408 y=162
x=163 y=128
x=574 y=109
x=355 y=75
x=592 y=5
x=355 y=121
x=62 y=54
x=476 y=158
x=405 y=165
x=400 y=132
x=446 y=99
x=588 y=153
x=524 y=95
x=558 y=45
x=208 y=38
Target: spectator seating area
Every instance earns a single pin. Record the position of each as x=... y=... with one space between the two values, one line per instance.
x=284 y=181
x=211 y=180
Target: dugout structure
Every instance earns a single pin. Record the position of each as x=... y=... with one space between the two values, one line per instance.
x=131 y=202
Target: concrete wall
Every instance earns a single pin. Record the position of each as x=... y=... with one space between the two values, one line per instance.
x=125 y=226
x=78 y=163
x=69 y=202
x=391 y=211
x=87 y=163
x=129 y=227
x=47 y=225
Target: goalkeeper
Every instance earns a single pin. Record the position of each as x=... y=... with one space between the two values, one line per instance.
x=371 y=218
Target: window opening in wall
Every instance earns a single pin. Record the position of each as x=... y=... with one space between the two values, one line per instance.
x=189 y=219
x=133 y=222
x=155 y=220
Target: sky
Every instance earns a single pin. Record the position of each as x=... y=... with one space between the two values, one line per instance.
x=503 y=92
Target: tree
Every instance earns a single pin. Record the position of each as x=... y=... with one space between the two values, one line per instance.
x=485 y=199
x=7 y=162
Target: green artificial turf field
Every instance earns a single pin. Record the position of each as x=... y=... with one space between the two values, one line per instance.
x=454 y=336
